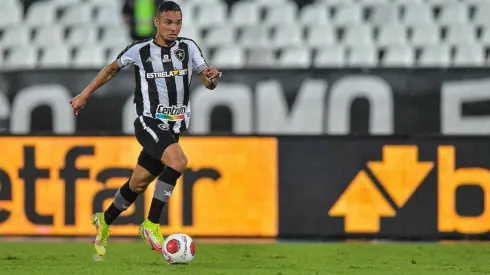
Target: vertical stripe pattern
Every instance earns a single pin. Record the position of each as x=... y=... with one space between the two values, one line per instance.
x=157 y=63
x=186 y=84
x=146 y=59
x=170 y=82
x=155 y=84
x=138 y=96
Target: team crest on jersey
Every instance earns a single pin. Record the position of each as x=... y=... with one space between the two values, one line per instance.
x=164 y=127
x=180 y=54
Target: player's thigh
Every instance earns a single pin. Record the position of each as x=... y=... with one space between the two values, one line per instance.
x=174 y=156
x=152 y=165
x=154 y=136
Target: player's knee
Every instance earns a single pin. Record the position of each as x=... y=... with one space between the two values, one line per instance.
x=178 y=162
x=174 y=157
x=184 y=163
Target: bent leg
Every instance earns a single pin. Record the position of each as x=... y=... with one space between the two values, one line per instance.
x=124 y=198
x=175 y=164
x=162 y=145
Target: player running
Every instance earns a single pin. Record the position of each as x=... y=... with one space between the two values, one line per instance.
x=163 y=69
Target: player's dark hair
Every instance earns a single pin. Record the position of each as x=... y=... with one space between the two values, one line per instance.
x=168 y=6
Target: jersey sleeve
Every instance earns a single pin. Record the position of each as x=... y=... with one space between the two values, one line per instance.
x=126 y=57
x=198 y=61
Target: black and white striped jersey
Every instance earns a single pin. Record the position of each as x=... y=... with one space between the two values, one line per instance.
x=163 y=76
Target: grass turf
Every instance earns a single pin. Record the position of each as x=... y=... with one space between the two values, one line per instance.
x=271 y=259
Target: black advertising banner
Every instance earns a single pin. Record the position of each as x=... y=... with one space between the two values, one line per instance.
x=384 y=188
x=264 y=102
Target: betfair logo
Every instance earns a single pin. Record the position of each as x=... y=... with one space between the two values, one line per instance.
x=362 y=204
x=400 y=174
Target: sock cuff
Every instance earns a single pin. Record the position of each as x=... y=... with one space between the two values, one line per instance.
x=169 y=175
x=163 y=191
x=127 y=193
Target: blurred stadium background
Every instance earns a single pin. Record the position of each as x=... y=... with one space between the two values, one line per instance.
x=360 y=111
x=258 y=33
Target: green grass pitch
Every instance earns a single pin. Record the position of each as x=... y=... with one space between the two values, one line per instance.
x=32 y=258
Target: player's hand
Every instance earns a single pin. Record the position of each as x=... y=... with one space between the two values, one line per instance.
x=78 y=103
x=212 y=73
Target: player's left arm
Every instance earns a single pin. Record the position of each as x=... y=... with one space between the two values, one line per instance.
x=209 y=77
x=209 y=74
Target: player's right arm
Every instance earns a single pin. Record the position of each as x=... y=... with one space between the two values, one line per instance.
x=105 y=75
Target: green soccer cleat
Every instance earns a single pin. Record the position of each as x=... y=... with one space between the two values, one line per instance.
x=151 y=232
x=103 y=231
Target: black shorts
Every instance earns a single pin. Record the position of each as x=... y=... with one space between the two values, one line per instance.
x=152 y=134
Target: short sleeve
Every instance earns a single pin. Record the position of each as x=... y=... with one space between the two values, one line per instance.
x=126 y=57
x=198 y=61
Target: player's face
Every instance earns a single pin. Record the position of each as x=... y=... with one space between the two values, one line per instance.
x=169 y=24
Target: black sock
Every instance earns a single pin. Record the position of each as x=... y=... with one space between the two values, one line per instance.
x=156 y=209
x=163 y=189
x=122 y=201
x=111 y=214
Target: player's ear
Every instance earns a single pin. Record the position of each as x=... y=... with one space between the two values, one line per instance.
x=155 y=21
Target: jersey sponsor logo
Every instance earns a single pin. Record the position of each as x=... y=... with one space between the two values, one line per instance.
x=171 y=113
x=166 y=58
x=172 y=73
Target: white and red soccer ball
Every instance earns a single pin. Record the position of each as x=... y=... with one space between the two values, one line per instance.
x=178 y=249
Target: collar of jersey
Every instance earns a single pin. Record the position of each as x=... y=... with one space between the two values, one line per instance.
x=169 y=47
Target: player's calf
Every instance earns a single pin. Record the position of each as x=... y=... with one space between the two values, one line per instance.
x=128 y=193
x=123 y=199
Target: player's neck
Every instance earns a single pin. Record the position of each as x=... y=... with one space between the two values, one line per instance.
x=162 y=42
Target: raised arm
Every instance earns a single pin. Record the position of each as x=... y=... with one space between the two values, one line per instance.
x=209 y=74
x=105 y=75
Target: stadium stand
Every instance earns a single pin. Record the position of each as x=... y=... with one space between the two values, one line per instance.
x=258 y=33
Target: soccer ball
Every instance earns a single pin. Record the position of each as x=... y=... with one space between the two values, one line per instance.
x=178 y=249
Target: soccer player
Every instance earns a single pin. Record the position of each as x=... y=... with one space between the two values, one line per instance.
x=163 y=69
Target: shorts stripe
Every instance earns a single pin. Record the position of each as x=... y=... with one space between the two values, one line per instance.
x=149 y=130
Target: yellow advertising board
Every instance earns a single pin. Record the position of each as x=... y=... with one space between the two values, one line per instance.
x=52 y=185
